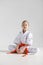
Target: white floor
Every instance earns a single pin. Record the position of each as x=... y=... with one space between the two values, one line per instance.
x=14 y=59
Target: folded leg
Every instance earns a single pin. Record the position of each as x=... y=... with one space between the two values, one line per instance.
x=12 y=48
x=33 y=50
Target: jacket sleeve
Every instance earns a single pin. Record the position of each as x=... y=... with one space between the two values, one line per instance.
x=29 y=39
x=17 y=39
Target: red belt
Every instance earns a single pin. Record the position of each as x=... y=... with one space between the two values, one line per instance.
x=25 y=51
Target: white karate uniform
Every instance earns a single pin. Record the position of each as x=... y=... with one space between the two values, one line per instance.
x=26 y=38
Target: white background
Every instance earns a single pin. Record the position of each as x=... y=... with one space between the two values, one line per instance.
x=13 y=12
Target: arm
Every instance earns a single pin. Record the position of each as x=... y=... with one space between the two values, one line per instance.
x=17 y=48
x=29 y=40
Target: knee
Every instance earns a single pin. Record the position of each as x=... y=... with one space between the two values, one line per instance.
x=38 y=49
x=11 y=47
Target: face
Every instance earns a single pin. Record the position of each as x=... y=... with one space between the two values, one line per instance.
x=25 y=26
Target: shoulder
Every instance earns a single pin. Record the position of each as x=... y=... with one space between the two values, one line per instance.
x=30 y=34
x=19 y=33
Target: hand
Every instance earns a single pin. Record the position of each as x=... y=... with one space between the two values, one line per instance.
x=18 y=51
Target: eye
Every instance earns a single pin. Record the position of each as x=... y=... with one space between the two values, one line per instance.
x=25 y=24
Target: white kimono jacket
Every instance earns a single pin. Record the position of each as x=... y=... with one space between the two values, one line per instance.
x=24 y=38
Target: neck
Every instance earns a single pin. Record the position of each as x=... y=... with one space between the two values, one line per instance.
x=24 y=31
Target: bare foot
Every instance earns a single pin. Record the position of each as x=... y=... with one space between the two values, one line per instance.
x=9 y=53
x=24 y=55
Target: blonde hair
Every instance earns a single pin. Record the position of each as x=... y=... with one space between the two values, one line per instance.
x=25 y=21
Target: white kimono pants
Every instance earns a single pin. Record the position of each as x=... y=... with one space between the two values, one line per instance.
x=30 y=49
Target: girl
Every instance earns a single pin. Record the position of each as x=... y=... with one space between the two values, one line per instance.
x=23 y=41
